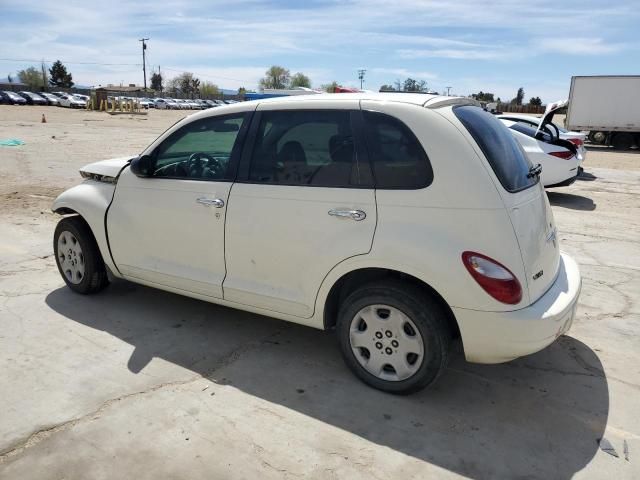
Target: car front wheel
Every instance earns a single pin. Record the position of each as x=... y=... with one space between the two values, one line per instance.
x=394 y=336
x=78 y=258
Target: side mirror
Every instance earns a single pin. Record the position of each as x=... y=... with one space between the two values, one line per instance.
x=142 y=166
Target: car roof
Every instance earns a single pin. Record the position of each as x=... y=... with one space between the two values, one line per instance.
x=412 y=98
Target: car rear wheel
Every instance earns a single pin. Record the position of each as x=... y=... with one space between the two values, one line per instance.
x=393 y=336
x=78 y=258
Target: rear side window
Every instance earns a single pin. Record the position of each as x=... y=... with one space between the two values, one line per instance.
x=398 y=159
x=530 y=131
x=504 y=153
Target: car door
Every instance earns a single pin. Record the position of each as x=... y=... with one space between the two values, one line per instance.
x=302 y=204
x=167 y=228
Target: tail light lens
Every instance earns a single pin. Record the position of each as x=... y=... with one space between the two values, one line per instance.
x=576 y=141
x=496 y=279
x=564 y=154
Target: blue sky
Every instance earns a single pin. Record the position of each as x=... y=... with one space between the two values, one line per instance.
x=494 y=46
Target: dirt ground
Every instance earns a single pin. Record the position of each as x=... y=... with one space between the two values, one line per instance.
x=139 y=383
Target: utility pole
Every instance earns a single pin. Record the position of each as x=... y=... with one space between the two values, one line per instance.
x=160 y=75
x=144 y=65
x=448 y=90
x=361 y=73
x=44 y=78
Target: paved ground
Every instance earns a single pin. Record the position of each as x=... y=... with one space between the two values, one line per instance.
x=138 y=383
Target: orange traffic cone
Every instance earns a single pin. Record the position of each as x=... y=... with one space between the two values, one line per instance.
x=44 y=120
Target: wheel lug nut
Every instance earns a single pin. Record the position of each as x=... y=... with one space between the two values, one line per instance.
x=378 y=334
x=394 y=343
x=388 y=351
x=378 y=345
x=388 y=333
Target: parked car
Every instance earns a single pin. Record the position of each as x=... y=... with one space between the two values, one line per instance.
x=12 y=98
x=32 y=98
x=70 y=101
x=147 y=102
x=558 y=158
x=577 y=138
x=349 y=213
x=50 y=98
x=211 y=104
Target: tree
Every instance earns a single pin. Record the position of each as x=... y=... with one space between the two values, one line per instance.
x=59 y=76
x=535 y=101
x=300 y=80
x=32 y=77
x=195 y=85
x=483 y=96
x=9 y=78
x=411 y=85
x=387 y=88
x=275 y=77
x=156 y=82
x=242 y=91
x=519 y=97
x=330 y=87
x=208 y=89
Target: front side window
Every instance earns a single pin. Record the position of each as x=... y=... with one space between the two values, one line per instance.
x=398 y=159
x=200 y=150
x=304 y=147
x=503 y=152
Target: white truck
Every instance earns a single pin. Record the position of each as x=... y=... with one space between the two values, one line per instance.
x=607 y=106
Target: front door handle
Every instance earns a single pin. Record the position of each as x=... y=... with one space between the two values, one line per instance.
x=356 y=215
x=216 y=202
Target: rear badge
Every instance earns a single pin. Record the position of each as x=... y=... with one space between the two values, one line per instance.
x=538 y=275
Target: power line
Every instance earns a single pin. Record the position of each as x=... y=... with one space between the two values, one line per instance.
x=67 y=62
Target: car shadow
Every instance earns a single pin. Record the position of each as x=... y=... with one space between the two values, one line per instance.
x=536 y=417
x=586 y=177
x=570 y=200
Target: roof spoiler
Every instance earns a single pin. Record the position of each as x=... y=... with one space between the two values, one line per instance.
x=439 y=102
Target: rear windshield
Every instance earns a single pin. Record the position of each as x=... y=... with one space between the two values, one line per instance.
x=530 y=131
x=503 y=152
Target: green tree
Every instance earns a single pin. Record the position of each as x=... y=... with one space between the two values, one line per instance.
x=59 y=77
x=387 y=88
x=519 y=97
x=275 y=77
x=412 y=85
x=156 y=82
x=242 y=91
x=208 y=89
x=535 y=101
x=195 y=86
x=300 y=80
x=483 y=96
x=330 y=87
x=31 y=77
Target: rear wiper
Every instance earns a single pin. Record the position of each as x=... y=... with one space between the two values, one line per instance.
x=534 y=171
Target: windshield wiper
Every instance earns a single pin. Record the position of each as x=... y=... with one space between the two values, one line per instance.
x=534 y=171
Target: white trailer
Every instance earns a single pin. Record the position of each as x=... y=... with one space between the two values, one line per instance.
x=608 y=106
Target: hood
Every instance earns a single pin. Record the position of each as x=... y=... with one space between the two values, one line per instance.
x=550 y=111
x=105 y=170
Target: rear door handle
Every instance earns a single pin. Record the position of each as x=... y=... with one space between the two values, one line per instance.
x=356 y=215
x=216 y=202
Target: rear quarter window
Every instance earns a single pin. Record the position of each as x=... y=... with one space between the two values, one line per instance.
x=503 y=152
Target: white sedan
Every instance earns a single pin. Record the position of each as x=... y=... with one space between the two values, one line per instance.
x=71 y=101
x=577 y=138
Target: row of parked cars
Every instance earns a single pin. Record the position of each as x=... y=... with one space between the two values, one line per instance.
x=61 y=99
x=77 y=100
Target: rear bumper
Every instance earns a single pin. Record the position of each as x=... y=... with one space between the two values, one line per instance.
x=496 y=337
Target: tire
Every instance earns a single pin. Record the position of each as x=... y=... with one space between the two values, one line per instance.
x=622 y=141
x=416 y=318
x=81 y=266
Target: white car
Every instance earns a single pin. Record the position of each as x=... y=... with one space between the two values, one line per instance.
x=51 y=99
x=558 y=158
x=400 y=221
x=577 y=138
x=70 y=101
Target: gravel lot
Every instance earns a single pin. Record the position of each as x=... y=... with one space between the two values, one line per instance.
x=139 y=383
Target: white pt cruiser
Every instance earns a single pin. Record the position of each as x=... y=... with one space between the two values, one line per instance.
x=401 y=221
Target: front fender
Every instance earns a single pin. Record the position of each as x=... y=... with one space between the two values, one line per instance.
x=90 y=200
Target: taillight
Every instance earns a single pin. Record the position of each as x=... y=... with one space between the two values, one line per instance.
x=496 y=279
x=564 y=154
x=576 y=141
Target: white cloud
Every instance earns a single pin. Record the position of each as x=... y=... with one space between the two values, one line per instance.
x=577 y=45
x=403 y=72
